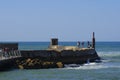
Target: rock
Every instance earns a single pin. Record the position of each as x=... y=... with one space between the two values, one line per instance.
x=59 y=64
x=21 y=67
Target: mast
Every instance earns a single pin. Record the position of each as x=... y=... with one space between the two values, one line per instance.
x=93 y=41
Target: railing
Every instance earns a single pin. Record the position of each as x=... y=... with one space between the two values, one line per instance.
x=9 y=54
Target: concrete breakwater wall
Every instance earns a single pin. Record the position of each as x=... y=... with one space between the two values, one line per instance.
x=38 y=59
x=63 y=56
x=8 y=64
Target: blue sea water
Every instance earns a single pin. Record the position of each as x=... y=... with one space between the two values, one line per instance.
x=108 y=69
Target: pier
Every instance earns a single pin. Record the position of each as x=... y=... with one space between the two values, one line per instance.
x=54 y=57
x=9 y=53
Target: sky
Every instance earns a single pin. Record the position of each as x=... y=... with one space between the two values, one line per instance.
x=67 y=20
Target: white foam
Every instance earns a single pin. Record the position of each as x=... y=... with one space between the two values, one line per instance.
x=105 y=61
x=109 y=60
x=93 y=66
x=90 y=64
x=72 y=65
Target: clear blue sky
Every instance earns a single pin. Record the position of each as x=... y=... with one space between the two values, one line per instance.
x=68 y=20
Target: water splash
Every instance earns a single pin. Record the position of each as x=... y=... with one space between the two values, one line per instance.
x=94 y=66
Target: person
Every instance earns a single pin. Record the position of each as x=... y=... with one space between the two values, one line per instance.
x=82 y=44
x=88 y=44
x=78 y=43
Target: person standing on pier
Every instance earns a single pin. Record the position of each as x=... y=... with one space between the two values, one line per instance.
x=78 y=44
x=88 y=44
x=82 y=44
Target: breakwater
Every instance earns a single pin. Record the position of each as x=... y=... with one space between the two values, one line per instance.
x=55 y=56
x=35 y=59
x=51 y=58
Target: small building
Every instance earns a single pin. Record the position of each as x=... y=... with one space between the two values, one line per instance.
x=9 y=46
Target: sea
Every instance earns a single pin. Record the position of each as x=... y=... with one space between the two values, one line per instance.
x=108 y=69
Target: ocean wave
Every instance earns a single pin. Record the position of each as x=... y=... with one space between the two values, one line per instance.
x=93 y=66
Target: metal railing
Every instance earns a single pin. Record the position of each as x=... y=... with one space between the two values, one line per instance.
x=9 y=54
